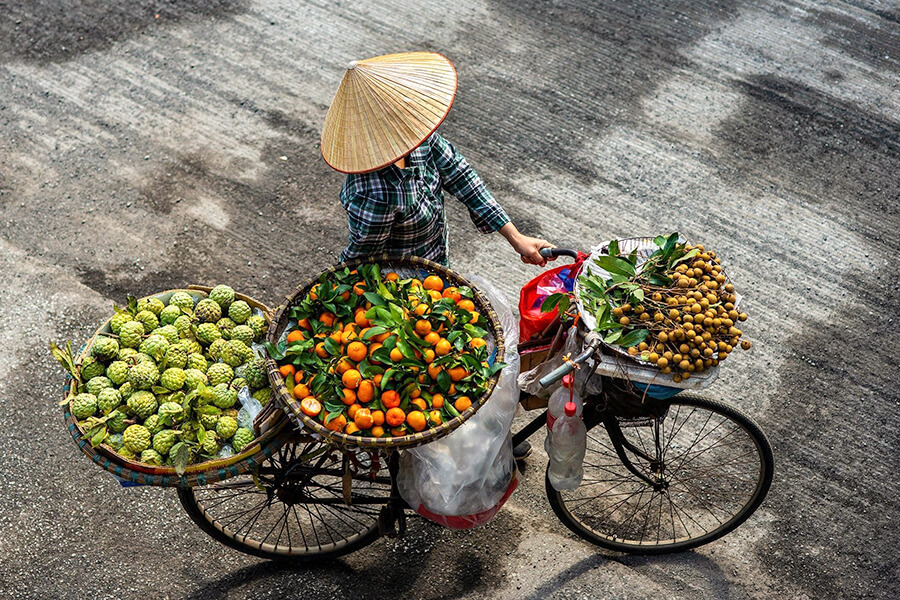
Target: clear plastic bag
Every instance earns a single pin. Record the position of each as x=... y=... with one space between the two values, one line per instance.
x=586 y=385
x=462 y=480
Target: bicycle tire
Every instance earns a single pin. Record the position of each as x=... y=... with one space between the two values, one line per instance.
x=361 y=526
x=565 y=505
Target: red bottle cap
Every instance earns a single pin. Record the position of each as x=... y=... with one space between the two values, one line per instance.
x=571 y=409
x=567 y=381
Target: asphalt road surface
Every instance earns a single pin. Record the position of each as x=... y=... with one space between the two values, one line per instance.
x=151 y=144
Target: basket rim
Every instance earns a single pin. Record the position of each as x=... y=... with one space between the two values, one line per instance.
x=164 y=475
x=291 y=405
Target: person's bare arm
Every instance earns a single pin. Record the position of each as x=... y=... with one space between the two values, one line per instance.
x=527 y=247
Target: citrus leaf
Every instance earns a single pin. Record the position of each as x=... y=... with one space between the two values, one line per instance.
x=375 y=299
x=634 y=338
x=615 y=266
x=373 y=331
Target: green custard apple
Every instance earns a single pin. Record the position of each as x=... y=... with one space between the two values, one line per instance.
x=183 y=325
x=136 y=438
x=148 y=320
x=131 y=334
x=233 y=353
x=211 y=420
x=224 y=396
x=154 y=305
x=242 y=437
x=239 y=311
x=222 y=295
x=116 y=421
x=142 y=404
x=84 y=406
x=238 y=383
x=164 y=440
x=219 y=373
x=255 y=373
x=117 y=371
x=170 y=412
x=243 y=333
x=225 y=326
x=258 y=325
x=207 y=333
x=90 y=368
x=264 y=395
x=169 y=332
x=172 y=378
x=208 y=311
x=126 y=352
x=153 y=424
x=176 y=356
x=124 y=452
x=170 y=314
x=215 y=349
x=151 y=457
x=105 y=348
x=198 y=362
x=194 y=378
x=120 y=318
x=210 y=443
x=108 y=400
x=226 y=427
x=191 y=346
x=155 y=345
x=95 y=385
x=182 y=300
x=143 y=375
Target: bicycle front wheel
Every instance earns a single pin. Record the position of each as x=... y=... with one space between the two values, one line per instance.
x=711 y=466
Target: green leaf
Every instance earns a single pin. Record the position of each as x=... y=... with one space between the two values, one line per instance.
x=333 y=414
x=602 y=314
x=634 y=338
x=551 y=302
x=659 y=241
x=687 y=256
x=613 y=249
x=98 y=437
x=406 y=349
x=638 y=295
x=375 y=299
x=670 y=243
x=612 y=337
x=64 y=358
x=332 y=346
x=386 y=378
x=615 y=265
x=382 y=355
x=373 y=331
x=660 y=280
x=474 y=331
x=443 y=381
x=181 y=457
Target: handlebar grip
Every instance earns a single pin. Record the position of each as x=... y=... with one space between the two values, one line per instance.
x=556 y=375
x=554 y=252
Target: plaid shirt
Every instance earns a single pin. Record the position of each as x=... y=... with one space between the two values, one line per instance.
x=401 y=211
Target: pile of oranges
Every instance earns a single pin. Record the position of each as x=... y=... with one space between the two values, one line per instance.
x=376 y=356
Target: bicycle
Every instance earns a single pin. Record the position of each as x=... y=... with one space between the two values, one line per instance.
x=660 y=476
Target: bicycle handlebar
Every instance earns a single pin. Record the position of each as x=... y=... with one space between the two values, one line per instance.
x=593 y=343
x=554 y=252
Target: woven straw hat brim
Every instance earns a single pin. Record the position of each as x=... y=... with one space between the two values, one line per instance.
x=385 y=107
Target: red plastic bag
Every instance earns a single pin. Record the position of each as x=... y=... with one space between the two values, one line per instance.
x=470 y=521
x=532 y=322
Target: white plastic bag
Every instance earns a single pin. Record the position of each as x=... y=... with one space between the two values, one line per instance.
x=462 y=480
x=586 y=385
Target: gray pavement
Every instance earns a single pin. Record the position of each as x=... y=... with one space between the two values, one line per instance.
x=147 y=145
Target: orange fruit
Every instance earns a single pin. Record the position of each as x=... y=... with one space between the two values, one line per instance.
x=475 y=317
x=462 y=403
x=351 y=379
x=366 y=391
x=313 y=292
x=344 y=365
x=301 y=392
x=419 y=402
x=414 y=282
x=391 y=276
x=310 y=406
x=433 y=338
x=345 y=296
x=357 y=351
x=452 y=293
x=321 y=351
x=372 y=350
x=415 y=392
x=349 y=396
x=359 y=288
x=457 y=373
x=396 y=354
x=337 y=336
x=377 y=379
x=434 y=294
x=377 y=431
x=286 y=370
x=452 y=389
x=466 y=304
x=442 y=347
x=352 y=410
x=437 y=401
x=421 y=309
x=416 y=419
x=395 y=416
x=378 y=417
x=337 y=423
x=382 y=336
x=478 y=343
x=363 y=418
x=327 y=319
x=295 y=336
x=360 y=318
x=304 y=323
x=433 y=371
x=349 y=336
x=422 y=378
x=351 y=428
x=423 y=327
x=398 y=431
x=435 y=417
x=390 y=399
x=433 y=282
x=429 y=356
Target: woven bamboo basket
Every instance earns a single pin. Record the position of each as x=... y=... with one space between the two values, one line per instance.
x=196 y=474
x=405 y=267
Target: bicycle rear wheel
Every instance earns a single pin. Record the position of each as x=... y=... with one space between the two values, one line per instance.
x=293 y=508
x=712 y=467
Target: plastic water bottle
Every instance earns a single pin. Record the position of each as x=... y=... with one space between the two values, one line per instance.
x=556 y=407
x=569 y=439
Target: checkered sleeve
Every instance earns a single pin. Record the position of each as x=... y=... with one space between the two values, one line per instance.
x=369 y=219
x=461 y=180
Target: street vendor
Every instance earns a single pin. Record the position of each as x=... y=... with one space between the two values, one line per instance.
x=380 y=130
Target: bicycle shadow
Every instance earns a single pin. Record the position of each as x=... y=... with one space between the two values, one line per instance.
x=434 y=563
x=655 y=568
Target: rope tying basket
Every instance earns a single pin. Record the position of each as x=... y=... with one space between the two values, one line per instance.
x=196 y=474
x=405 y=267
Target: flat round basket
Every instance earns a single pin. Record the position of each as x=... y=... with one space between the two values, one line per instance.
x=195 y=474
x=405 y=267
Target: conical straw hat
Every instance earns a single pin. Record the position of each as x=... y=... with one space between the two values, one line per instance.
x=384 y=108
